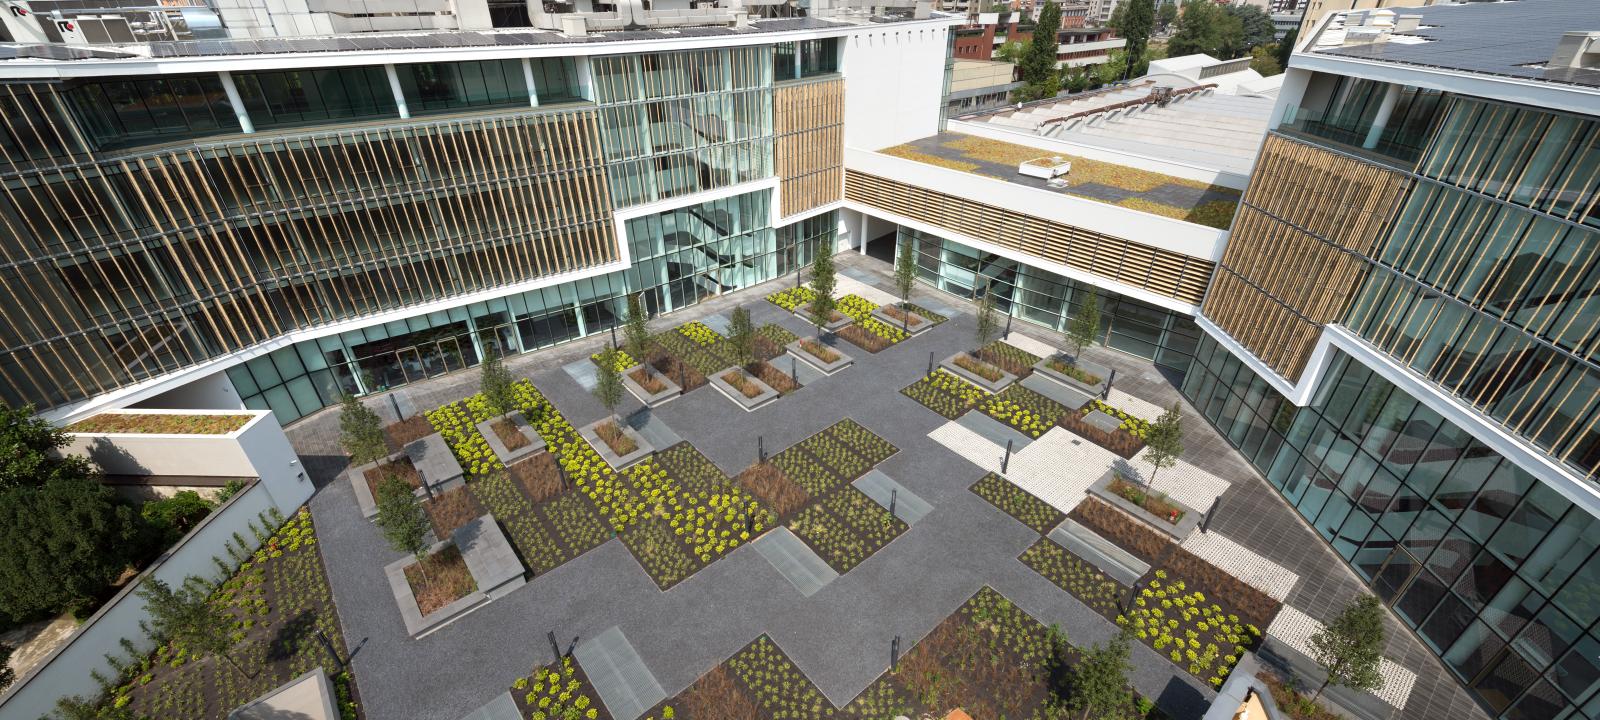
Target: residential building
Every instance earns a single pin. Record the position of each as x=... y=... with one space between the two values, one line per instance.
x=1401 y=334
x=1078 y=45
x=980 y=85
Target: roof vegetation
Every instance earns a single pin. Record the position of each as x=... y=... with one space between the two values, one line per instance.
x=160 y=424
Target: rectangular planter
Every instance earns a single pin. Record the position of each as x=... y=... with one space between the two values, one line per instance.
x=749 y=404
x=671 y=392
x=1096 y=390
x=995 y=386
x=358 y=482
x=508 y=456
x=830 y=327
x=432 y=458
x=489 y=557
x=1191 y=517
x=617 y=462
x=418 y=624
x=913 y=329
x=843 y=362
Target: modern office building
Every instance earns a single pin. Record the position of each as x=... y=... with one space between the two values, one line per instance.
x=1402 y=332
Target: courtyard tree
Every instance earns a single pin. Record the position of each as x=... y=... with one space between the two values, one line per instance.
x=1351 y=647
x=65 y=542
x=905 y=275
x=608 y=381
x=1038 y=63
x=1165 y=440
x=635 y=334
x=1100 y=680
x=494 y=381
x=403 y=522
x=742 y=337
x=988 y=323
x=28 y=451
x=1084 y=328
x=187 y=616
x=360 y=432
x=822 y=285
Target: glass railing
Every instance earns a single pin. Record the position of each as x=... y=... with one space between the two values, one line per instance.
x=1395 y=145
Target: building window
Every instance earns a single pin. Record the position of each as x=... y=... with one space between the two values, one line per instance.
x=128 y=112
x=445 y=86
x=299 y=97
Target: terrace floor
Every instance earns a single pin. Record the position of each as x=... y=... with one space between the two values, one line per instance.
x=840 y=635
x=1090 y=179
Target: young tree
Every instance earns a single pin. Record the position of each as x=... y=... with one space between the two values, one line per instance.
x=1084 y=328
x=1351 y=646
x=1165 y=440
x=494 y=382
x=65 y=542
x=402 y=520
x=1039 y=62
x=1137 y=20
x=28 y=446
x=1100 y=681
x=742 y=336
x=905 y=272
x=988 y=323
x=822 y=284
x=187 y=615
x=635 y=334
x=608 y=383
x=360 y=432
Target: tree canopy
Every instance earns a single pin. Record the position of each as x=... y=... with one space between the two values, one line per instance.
x=1351 y=647
x=1165 y=440
x=65 y=541
x=742 y=336
x=822 y=284
x=360 y=432
x=27 y=445
x=1100 y=680
x=1039 y=61
x=494 y=382
x=636 y=334
x=1204 y=27
x=1138 y=16
x=608 y=380
x=1255 y=26
x=186 y=615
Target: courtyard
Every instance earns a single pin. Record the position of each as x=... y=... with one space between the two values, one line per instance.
x=816 y=587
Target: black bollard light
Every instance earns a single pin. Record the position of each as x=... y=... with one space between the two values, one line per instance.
x=894 y=497
x=930 y=362
x=1006 y=463
x=328 y=646
x=1205 y=522
x=396 y=405
x=761 y=449
x=555 y=648
x=894 y=652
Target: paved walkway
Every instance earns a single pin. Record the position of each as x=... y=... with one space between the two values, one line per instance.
x=840 y=635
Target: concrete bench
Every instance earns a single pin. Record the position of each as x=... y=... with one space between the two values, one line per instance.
x=1112 y=560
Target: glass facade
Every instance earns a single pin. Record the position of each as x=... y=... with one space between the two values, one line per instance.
x=1493 y=570
x=680 y=256
x=1346 y=109
x=124 y=112
x=1047 y=299
x=446 y=87
x=674 y=124
x=286 y=98
x=804 y=59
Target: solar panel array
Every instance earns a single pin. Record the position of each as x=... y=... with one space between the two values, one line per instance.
x=1509 y=39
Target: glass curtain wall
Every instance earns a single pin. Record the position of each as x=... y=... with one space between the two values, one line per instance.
x=681 y=257
x=1050 y=300
x=287 y=98
x=679 y=123
x=1345 y=110
x=446 y=87
x=125 y=112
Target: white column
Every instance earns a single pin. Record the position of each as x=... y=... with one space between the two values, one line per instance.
x=238 y=103
x=527 y=77
x=1379 y=122
x=394 y=87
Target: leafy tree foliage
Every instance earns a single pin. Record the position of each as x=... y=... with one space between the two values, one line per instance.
x=1204 y=27
x=1285 y=48
x=1138 y=16
x=171 y=518
x=635 y=334
x=608 y=382
x=1084 y=329
x=742 y=336
x=988 y=323
x=822 y=285
x=905 y=271
x=27 y=451
x=1165 y=440
x=360 y=432
x=1264 y=60
x=65 y=542
x=1255 y=25
x=1011 y=52
x=7 y=675
x=402 y=520
x=1351 y=647
x=1039 y=62
x=187 y=615
x=1166 y=15
x=494 y=381
x=1100 y=681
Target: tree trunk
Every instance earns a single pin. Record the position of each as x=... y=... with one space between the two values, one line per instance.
x=1324 y=686
x=422 y=567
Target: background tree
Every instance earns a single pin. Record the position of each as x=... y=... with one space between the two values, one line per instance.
x=905 y=272
x=403 y=522
x=1255 y=25
x=494 y=381
x=1100 y=681
x=742 y=336
x=1074 y=80
x=7 y=675
x=65 y=543
x=1351 y=646
x=1011 y=52
x=171 y=518
x=636 y=334
x=1137 y=20
x=1285 y=47
x=608 y=382
x=822 y=284
x=1166 y=15
x=27 y=451
x=1039 y=62
x=360 y=432
x=988 y=323
x=1203 y=27
x=1264 y=60
x=1084 y=328
x=187 y=616
x=1165 y=440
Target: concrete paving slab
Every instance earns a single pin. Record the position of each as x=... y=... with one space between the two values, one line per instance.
x=717 y=322
x=795 y=562
x=583 y=372
x=500 y=708
x=1070 y=397
x=994 y=431
x=882 y=489
x=652 y=428
x=618 y=674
